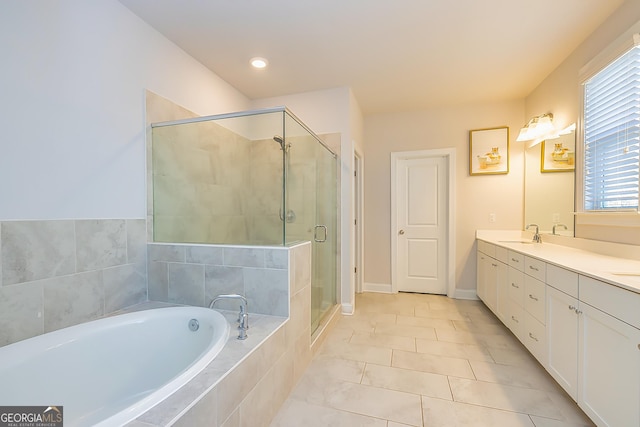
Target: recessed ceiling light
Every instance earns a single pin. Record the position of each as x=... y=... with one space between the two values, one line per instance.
x=258 y=62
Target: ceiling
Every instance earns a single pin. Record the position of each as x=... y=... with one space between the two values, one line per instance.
x=396 y=55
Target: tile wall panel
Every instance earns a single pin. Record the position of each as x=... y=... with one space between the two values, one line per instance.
x=58 y=273
x=196 y=274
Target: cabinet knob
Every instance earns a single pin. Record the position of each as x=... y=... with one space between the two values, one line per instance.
x=401 y=232
x=532 y=337
x=571 y=307
x=533 y=268
x=578 y=311
x=533 y=298
x=515 y=286
x=516 y=320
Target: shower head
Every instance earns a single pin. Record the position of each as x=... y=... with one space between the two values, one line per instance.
x=280 y=140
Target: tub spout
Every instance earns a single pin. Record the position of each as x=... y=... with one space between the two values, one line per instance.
x=243 y=320
x=243 y=316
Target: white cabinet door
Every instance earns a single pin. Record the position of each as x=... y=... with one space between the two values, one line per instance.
x=608 y=369
x=491 y=294
x=487 y=286
x=562 y=340
x=502 y=293
x=481 y=272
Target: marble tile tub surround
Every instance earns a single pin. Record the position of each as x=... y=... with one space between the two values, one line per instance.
x=248 y=382
x=58 y=273
x=195 y=274
x=218 y=390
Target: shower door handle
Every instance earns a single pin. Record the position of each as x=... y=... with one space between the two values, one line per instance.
x=315 y=233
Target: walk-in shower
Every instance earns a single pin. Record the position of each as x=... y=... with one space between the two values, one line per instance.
x=222 y=180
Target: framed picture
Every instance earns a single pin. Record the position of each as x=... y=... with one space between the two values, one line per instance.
x=489 y=151
x=558 y=155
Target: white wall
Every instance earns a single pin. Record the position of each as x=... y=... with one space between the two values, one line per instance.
x=333 y=111
x=72 y=87
x=476 y=196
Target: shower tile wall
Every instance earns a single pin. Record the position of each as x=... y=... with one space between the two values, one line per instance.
x=209 y=184
x=301 y=188
x=59 y=273
x=265 y=198
x=201 y=184
x=193 y=274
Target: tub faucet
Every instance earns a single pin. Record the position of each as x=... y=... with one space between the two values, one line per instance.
x=243 y=316
x=553 y=231
x=536 y=235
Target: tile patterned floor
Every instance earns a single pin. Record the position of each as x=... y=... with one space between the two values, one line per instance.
x=425 y=360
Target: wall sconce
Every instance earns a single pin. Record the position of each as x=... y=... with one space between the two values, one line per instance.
x=558 y=133
x=537 y=128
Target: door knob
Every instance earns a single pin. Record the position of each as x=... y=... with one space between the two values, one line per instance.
x=401 y=232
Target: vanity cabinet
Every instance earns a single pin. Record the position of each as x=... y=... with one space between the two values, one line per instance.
x=585 y=332
x=586 y=345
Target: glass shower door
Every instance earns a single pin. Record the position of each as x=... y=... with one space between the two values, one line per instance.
x=311 y=204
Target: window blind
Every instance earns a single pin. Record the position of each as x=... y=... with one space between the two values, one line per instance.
x=612 y=135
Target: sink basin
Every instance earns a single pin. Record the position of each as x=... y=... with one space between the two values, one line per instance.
x=524 y=242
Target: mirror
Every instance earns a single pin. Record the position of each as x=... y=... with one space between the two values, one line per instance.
x=549 y=184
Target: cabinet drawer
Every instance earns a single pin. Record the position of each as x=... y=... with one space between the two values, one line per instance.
x=535 y=268
x=563 y=280
x=487 y=248
x=516 y=286
x=502 y=254
x=516 y=260
x=617 y=302
x=515 y=320
x=534 y=298
x=535 y=338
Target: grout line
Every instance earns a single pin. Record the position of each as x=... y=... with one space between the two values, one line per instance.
x=424 y=422
x=450 y=389
x=364 y=368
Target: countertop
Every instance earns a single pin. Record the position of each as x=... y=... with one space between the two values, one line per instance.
x=617 y=271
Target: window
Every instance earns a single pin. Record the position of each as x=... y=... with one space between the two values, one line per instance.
x=612 y=135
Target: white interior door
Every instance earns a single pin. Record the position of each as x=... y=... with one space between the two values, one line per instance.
x=421 y=204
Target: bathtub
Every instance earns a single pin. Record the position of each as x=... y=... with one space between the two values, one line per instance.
x=109 y=371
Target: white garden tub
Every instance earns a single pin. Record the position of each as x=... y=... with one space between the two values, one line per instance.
x=110 y=371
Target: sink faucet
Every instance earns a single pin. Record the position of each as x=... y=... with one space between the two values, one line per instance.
x=243 y=317
x=536 y=235
x=553 y=231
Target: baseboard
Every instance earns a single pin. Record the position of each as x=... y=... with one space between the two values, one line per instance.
x=384 y=288
x=465 y=294
x=347 y=309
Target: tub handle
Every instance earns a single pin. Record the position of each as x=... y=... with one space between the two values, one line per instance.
x=243 y=317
